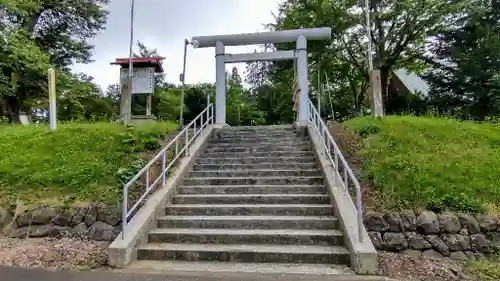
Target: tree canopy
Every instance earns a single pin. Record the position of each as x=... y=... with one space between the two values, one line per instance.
x=453 y=45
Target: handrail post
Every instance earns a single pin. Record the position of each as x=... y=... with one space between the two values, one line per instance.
x=212 y=109
x=336 y=159
x=186 y=139
x=124 y=209
x=163 y=167
x=346 y=182
x=208 y=114
x=360 y=214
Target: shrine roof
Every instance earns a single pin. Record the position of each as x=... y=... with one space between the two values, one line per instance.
x=141 y=62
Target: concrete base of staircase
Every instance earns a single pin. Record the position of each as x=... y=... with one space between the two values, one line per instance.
x=176 y=272
x=205 y=271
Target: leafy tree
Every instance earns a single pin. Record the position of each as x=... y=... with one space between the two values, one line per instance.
x=112 y=94
x=272 y=85
x=400 y=32
x=465 y=79
x=44 y=33
x=79 y=98
x=240 y=109
x=62 y=28
x=166 y=104
x=23 y=65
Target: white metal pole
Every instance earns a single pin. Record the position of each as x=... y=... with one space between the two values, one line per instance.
x=208 y=109
x=220 y=84
x=183 y=84
x=52 y=100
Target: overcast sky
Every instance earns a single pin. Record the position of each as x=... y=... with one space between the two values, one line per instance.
x=164 y=24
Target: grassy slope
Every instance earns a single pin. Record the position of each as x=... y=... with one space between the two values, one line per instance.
x=431 y=163
x=484 y=269
x=78 y=162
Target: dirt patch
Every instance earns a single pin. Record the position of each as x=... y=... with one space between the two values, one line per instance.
x=406 y=268
x=350 y=144
x=52 y=253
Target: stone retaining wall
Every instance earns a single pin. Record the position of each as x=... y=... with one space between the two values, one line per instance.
x=95 y=221
x=457 y=236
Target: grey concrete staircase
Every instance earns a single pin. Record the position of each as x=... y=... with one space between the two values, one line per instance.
x=255 y=195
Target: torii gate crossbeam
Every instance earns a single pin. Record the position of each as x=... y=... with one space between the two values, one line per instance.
x=300 y=36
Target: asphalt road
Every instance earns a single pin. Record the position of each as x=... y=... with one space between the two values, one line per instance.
x=22 y=274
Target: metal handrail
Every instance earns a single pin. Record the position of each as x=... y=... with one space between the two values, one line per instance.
x=337 y=158
x=200 y=122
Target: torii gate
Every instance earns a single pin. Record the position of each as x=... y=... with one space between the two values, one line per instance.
x=300 y=36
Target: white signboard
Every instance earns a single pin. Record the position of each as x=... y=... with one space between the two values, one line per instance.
x=143 y=79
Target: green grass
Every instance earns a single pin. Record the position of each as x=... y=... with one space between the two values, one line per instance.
x=484 y=269
x=431 y=163
x=78 y=162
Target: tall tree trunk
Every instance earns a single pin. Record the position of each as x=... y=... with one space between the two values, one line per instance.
x=13 y=109
x=2 y=109
x=384 y=81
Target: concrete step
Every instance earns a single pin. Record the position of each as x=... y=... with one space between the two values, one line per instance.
x=251 y=189
x=255 y=130
x=264 y=128
x=255 y=173
x=256 y=160
x=251 y=199
x=258 y=129
x=298 y=142
x=255 y=133
x=259 y=148
x=258 y=166
x=239 y=271
x=250 y=209
x=247 y=236
x=254 y=139
x=257 y=154
x=244 y=253
x=254 y=180
x=248 y=222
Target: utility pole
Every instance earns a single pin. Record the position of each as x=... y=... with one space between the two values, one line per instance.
x=126 y=89
x=375 y=87
x=319 y=91
x=182 y=78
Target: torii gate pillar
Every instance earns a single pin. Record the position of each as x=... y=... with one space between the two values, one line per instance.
x=300 y=36
x=220 y=84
